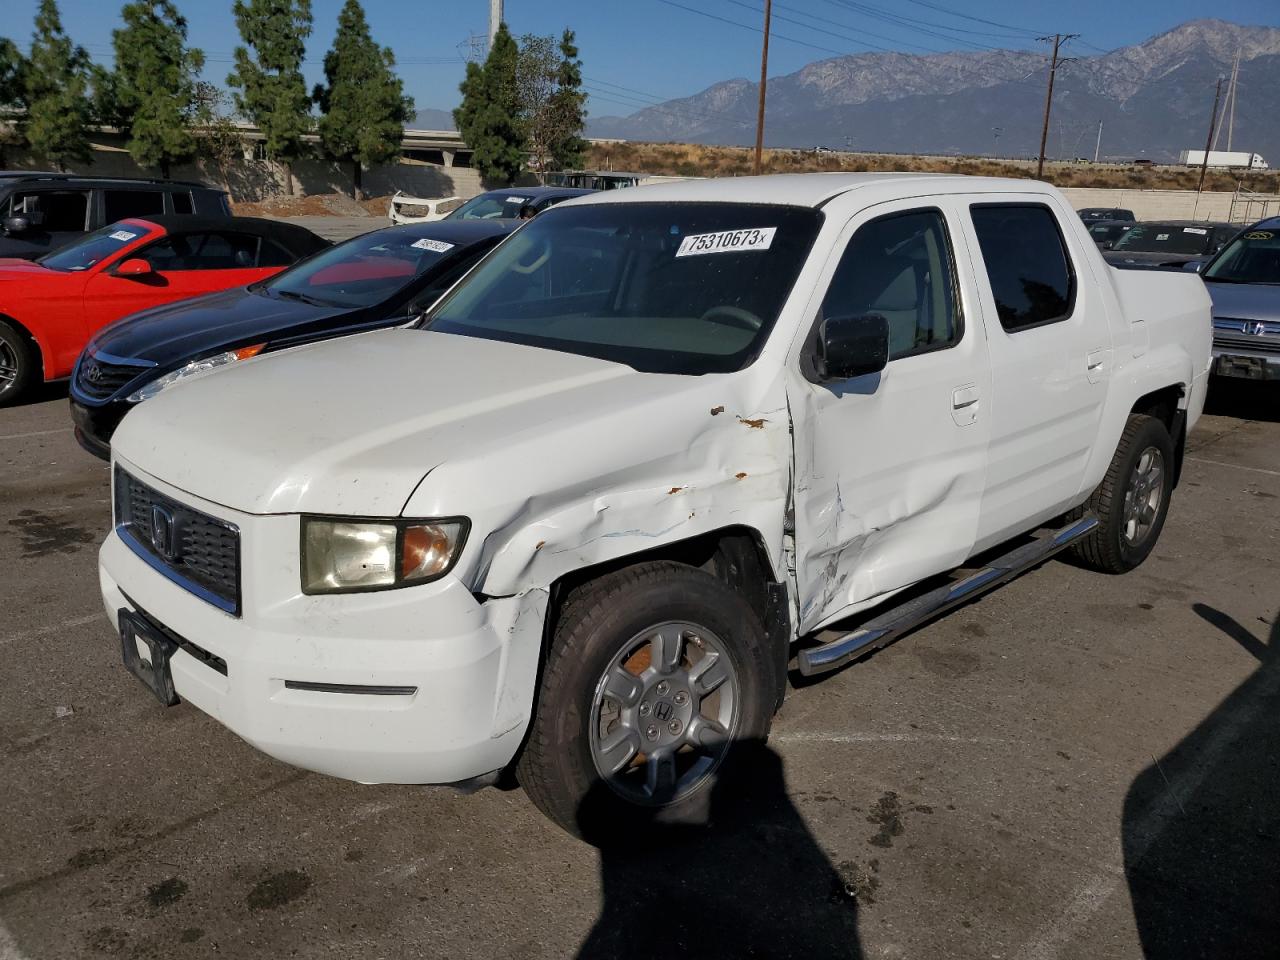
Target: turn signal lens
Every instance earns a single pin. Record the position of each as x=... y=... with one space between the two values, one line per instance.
x=427 y=550
x=244 y=353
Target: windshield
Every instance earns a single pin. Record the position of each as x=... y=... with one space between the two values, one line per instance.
x=361 y=272
x=1252 y=257
x=92 y=248
x=1165 y=238
x=491 y=206
x=686 y=288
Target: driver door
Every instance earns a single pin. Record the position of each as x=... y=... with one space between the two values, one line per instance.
x=890 y=467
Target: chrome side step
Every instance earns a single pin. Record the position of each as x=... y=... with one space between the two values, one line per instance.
x=893 y=623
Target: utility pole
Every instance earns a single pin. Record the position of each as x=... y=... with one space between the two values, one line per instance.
x=1208 y=141
x=495 y=18
x=1058 y=40
x=764 y=79
x=1235 y=74
x=1097 y=147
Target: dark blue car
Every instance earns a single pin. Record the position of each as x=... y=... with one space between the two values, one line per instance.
x=376 y=280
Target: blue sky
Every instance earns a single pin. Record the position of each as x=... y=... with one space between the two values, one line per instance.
x=642 y=51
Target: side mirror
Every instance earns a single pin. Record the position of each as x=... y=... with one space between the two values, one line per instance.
x=1193 y=265
x=134 y=267
x=16 y=225
x=1108 y=244
x=852 y=346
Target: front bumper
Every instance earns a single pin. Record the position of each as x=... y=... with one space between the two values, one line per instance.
x=94 y=426
x=472 y=665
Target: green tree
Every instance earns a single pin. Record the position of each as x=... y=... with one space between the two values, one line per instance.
x=568 y=149
x=219 y=141
x=12 y=65
x=489 y=117
x=362 y=102
x=56 y=93
x=155 y=83
x=271 y=92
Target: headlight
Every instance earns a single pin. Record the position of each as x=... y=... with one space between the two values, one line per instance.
x=193 y=369
x=340 y=556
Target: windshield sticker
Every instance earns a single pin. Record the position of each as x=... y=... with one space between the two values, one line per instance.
x=1259 y=235
x=1162 y=236
x=1199 y=230
x=727 y=241
x=123 y=235
x=435 y=246
x=517 y=199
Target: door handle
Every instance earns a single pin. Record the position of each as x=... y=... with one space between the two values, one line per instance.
x=964 y=404
x=1096 y=362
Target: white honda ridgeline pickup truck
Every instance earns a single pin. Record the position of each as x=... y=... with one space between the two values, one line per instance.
x=575 y=522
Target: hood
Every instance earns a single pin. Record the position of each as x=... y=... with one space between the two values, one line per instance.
x=177 y=332
x=1245 y=301
x=12 y=268
x=1129 y=260
x=351 y=426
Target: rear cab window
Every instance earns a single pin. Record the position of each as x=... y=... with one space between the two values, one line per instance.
x=1029 y=268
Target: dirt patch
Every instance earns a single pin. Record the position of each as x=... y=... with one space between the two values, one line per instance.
x=887 y=811
x=313 y=205
x=166 y=892
x=43 y=535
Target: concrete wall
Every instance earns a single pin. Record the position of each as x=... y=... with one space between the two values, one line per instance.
x=1174 y=204
x=252 y=180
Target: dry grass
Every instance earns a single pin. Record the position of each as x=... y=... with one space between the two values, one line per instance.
x=312 y=205
x=695 y=160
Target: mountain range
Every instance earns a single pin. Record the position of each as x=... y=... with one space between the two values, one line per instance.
x=1153 y=100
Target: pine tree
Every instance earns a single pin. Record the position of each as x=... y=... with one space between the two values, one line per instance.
x=362 y=102
x=155 y=83
x=489 y=117
x=12 y=65
x=270 y=89
x=56 y=93
x=568 y=149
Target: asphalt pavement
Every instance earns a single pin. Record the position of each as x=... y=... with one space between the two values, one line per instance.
x=1075 y=766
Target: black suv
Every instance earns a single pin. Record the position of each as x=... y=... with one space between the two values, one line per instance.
x=40 y=212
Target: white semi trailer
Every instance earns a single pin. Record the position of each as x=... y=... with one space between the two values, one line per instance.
x=1224 y=158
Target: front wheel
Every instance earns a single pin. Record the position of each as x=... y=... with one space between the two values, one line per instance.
x=1132 y=501
x=654 y=674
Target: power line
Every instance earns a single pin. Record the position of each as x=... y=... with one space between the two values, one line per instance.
x=964 y=16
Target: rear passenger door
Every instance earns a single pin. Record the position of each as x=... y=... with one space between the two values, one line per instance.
x=1051 y=357
x=889 y=466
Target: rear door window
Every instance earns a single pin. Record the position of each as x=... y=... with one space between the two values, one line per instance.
x=122 y=204
x=52 y=211
x=181 y=202
x=1026 y=258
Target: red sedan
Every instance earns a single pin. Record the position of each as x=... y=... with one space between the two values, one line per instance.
x=50 y=308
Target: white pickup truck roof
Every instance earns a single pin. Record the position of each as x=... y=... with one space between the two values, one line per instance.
x=807 y=189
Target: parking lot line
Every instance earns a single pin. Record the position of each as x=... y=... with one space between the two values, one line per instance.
x=53 y=628
x=35 y=433
x=1235 y=466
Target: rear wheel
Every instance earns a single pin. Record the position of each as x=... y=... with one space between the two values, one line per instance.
x=654 y=674
x=1132 y=501
x=18 y=363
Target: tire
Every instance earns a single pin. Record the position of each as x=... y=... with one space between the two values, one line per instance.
x=19 y=365
x=1130 y=504
x=604 y=643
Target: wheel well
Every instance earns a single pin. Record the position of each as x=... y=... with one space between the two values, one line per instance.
x=29 y=337
x=1165 y=405
x=735 y=555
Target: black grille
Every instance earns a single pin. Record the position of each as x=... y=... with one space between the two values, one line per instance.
x=98 y=379
x=197 y=551
x=1239 y=341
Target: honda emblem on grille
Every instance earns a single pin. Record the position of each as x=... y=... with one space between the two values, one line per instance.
x=162 y=532
x=1255 y=327
x=93 y=373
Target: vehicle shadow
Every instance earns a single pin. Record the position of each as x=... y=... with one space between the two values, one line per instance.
x=1243 y=399
x=749 y=882
x=42 y=393
x=1201 y=826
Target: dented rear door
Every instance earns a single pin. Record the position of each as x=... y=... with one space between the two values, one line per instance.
x=890 y=467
